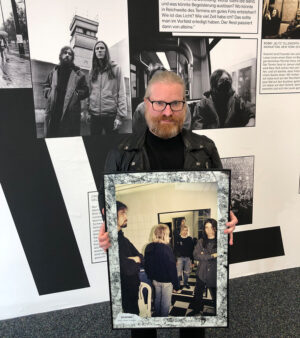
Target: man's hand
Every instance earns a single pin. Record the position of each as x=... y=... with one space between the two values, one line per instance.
x=137 y=259
x=117 y=124
x=103 y=238
x=214 y=255
x=231 y=226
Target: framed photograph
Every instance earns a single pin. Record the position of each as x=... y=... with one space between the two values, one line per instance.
x=168 y=263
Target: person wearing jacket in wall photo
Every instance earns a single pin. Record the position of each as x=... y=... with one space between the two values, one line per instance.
x=64 y=88
x=222 y=107
x=107 y=105
x=205 y=253
x=160 y=266
x=183 y=248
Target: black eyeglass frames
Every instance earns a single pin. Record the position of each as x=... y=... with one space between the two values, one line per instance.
x=162 y=105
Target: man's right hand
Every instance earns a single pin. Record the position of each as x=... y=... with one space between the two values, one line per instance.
x=103 y=238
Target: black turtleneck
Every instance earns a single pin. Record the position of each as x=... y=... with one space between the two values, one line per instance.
x=165 y=154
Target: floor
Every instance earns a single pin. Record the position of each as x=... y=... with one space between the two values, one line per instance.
x=182 y=299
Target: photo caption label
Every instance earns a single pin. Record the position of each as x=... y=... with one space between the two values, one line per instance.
x=216 y=16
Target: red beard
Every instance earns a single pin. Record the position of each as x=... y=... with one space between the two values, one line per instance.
x=165 y=130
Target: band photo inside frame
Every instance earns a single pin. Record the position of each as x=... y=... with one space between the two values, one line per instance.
x=168 y=264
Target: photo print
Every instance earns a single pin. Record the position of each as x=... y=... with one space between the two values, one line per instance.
x=154 y=221
x=242 y=181
x=14 y=48
x=219 y=73
x=281 y=19
x=80 y=74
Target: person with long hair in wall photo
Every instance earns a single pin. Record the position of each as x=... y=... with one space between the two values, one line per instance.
x=160 y=266
x=205 y=252
x=107 y=105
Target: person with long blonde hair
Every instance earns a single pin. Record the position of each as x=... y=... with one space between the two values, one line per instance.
x=160 y=266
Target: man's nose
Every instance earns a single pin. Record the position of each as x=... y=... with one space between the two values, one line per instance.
x=167 y=111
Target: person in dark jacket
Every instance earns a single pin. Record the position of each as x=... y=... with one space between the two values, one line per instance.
x=206 y=276
x=164 y=145
x=64 y=88
x=130 y=262
x=221 y=107
x=160 y=266
x=183 y=249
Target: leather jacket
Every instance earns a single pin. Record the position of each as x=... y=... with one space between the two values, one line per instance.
x=200 y=152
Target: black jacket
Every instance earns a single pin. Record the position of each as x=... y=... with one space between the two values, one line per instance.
x=199 y=153
x=160 y=264
x=183 y=247
x=129 y=269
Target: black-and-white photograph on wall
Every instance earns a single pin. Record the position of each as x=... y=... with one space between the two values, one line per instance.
x=166 y=261
x=242 y=180
x=14 y=48
x=281 y=19
x=80 y=74
x=219 y=73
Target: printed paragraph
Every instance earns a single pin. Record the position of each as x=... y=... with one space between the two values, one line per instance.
x=227 y=16
x=280 y=67
x=98 y=255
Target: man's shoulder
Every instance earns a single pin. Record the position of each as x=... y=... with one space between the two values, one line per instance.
x=195 y=141
x=78 y=71
x=132 y=141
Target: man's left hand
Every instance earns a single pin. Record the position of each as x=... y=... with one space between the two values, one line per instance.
x=136 y=259
x=231 y=226
x=117 y=124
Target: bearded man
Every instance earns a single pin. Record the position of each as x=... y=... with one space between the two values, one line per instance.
x=165 y=145
x=221 y=107
x=130 y=263
x=64 y=88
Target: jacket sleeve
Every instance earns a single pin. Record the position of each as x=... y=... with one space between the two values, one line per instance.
x=128 y=266
x=188 y=118
x=191 y=244
x=171 y=263
x=138 y=119
x=246 y=112
x=198 y=121
x=200 y=254
x=147 y=264
x=47 y=85
x=214 y=155
x=112 y=162
x=82 y=88
x=121 y=96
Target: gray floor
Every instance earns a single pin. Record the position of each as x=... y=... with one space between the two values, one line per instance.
x=264 y=305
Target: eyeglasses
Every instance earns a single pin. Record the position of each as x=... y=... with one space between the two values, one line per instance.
x=162 y=105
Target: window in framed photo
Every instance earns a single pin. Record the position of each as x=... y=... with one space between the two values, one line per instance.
x=168 y=263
